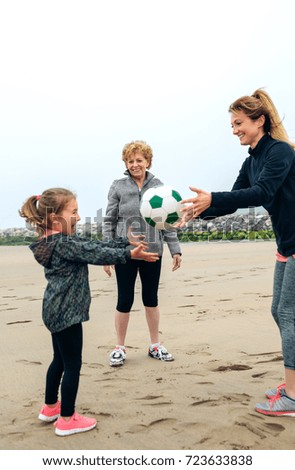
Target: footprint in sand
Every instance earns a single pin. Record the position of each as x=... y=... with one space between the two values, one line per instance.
x=19 y=321
x=242 y=398
x=93 y=365
x=150 y=397
x=203 y=402
x=143 y=427
x=232 y=367
x=275 y=359
x=154 y=397
x=257 y=376
x=186 y=306
x=35 y=363
x=104 y=415
x=274 y=427
x=90 y=411
x=161 y=421
x=162 y=403
x=261 y=429
x=261 y=354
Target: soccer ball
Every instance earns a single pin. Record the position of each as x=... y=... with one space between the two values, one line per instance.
x=160 y=207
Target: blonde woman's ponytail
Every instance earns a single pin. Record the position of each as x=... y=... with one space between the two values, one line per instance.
x=277 y=130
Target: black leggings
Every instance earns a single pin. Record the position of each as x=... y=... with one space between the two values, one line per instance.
x=65 y=368
x=126 y=276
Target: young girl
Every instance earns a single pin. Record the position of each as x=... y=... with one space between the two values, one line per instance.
x=65 y=258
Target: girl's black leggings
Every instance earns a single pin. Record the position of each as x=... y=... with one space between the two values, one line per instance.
x=65 y=367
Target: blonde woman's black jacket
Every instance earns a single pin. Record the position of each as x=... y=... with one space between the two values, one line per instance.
x=266 y=178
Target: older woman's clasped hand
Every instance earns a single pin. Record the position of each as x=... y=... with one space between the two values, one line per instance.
x=136 y=240
x=197 y=205
x=139 y=250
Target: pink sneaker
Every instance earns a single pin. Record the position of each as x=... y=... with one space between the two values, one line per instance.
x=77 y=423
x=49 y=414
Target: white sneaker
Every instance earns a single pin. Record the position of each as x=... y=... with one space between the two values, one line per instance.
x=117 y=357
x=161 y=353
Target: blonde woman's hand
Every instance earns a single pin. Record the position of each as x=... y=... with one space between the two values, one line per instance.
x=197 y=205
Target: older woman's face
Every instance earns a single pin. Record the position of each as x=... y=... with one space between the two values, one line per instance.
x=137 y=164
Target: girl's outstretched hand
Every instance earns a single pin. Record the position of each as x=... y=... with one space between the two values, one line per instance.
x=140 y=253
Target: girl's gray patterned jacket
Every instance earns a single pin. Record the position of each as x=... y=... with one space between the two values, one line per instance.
x=65 y=259
x=123 y=211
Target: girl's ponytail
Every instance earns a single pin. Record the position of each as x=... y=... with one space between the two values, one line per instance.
x=37 y=209
x=30 y=212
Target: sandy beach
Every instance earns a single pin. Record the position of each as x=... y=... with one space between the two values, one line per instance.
x=215 y=319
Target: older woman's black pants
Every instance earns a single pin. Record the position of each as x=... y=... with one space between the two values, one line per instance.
x=126 y=276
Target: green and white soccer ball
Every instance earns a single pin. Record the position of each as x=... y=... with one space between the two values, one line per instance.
x=160 y=207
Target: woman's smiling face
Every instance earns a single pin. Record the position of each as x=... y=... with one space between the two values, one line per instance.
x=137 y=165
x=249 y=131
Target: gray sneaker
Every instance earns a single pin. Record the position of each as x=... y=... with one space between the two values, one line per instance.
x=273 y=391
x=117 y=357
x=279 y=405
x=161 y=353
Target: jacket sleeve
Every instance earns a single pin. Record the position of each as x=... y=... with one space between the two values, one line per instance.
x=242 y=182
x=276 y=168
x=91 y=252
x=118 y=242
x=111 y=217
x=171 y=238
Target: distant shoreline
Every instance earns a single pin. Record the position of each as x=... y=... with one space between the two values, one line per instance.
x=4 y=243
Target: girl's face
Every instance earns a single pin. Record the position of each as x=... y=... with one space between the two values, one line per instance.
x=66 y=221
x=137 y=165
x=248 y=131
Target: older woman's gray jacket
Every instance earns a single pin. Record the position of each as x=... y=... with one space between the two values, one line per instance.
x=122 y=211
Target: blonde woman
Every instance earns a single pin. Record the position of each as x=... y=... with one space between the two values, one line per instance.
x=266 y=178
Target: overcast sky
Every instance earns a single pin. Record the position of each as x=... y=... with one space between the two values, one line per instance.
x=79 y=79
